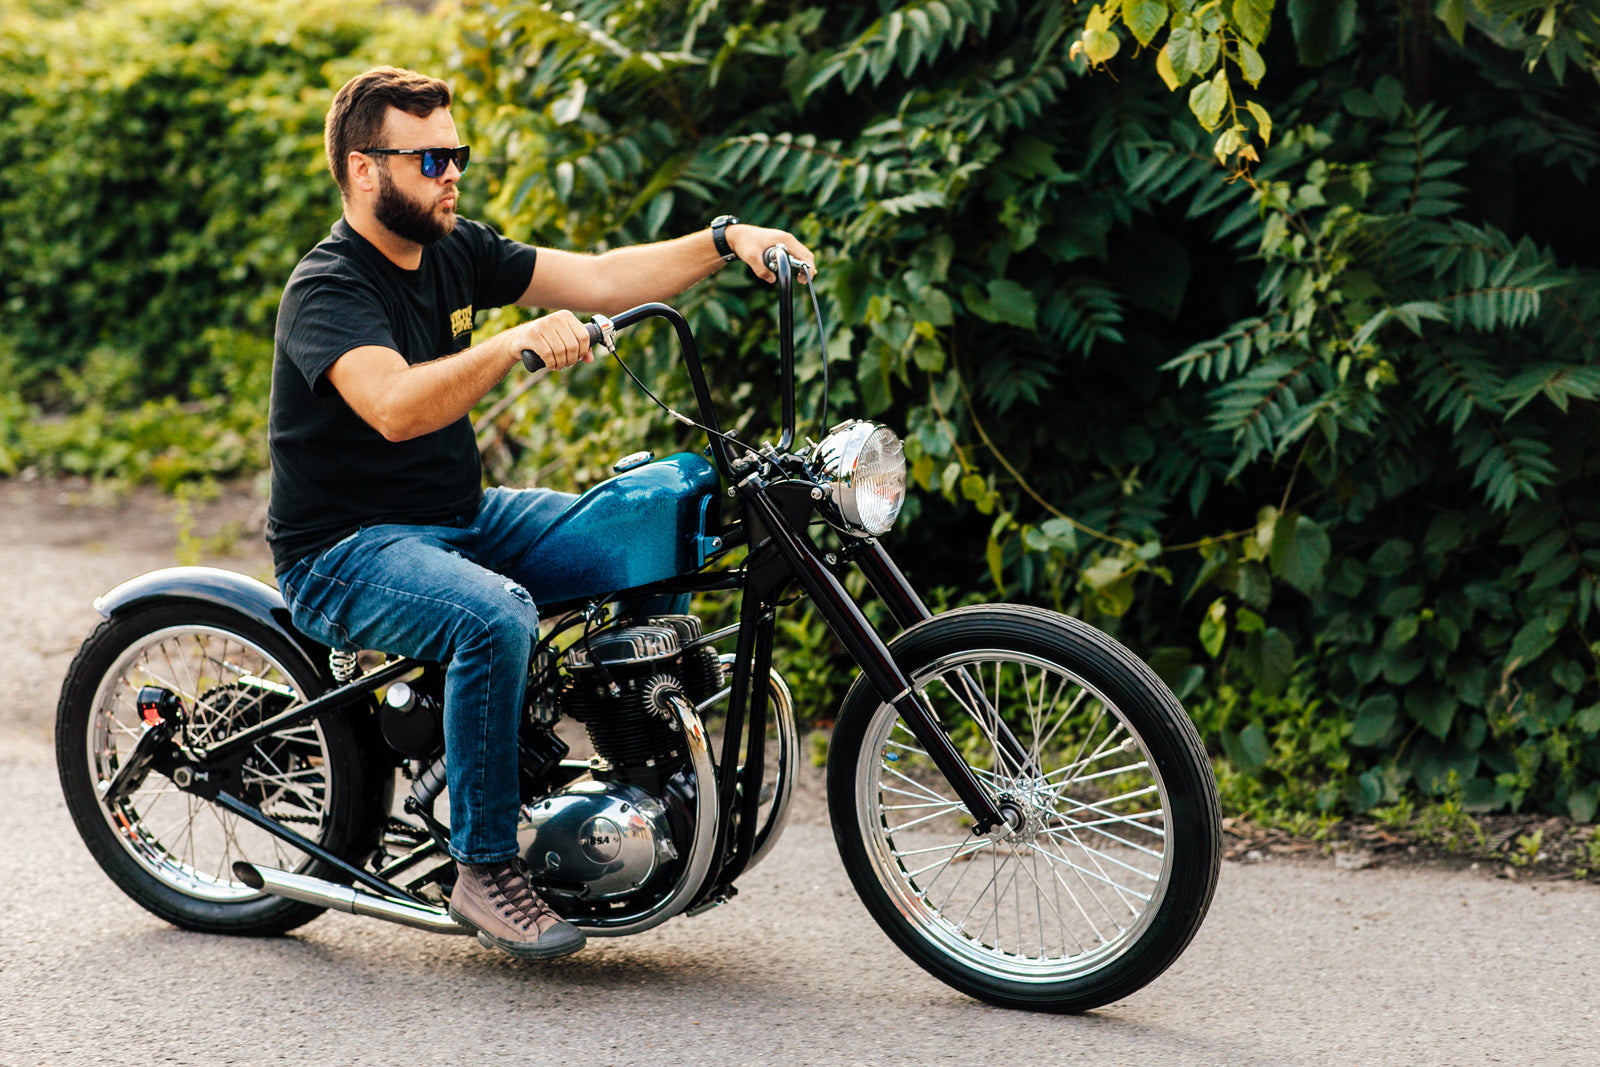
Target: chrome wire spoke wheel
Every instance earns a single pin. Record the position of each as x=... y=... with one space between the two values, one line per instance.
x=1078 y=877
x=1108 y=859
x=225 y=684
x=172 y=850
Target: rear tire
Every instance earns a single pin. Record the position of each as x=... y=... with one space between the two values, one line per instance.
x=173 y=852
x=1114 y=866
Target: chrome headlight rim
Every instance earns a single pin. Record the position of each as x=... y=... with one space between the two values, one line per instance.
x=838 y=456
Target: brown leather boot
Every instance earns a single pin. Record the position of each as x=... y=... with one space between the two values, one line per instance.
x=496 y=900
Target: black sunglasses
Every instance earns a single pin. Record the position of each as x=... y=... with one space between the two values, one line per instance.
x=435 y=161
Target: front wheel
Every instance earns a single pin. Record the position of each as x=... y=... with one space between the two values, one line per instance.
x=1105 y=877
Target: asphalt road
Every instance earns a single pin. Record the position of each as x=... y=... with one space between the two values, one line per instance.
x=1298 y=963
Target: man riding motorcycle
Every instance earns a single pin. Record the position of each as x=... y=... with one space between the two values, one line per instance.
x=381 y=534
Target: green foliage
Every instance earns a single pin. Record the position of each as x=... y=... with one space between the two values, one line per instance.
x=164 y=174
x=1320 y=442
x=1321 y=439
x=1206 y=40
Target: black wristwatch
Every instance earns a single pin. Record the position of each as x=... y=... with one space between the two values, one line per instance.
x=719 y=237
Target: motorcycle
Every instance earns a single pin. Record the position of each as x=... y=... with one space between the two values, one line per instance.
x=1020 y=803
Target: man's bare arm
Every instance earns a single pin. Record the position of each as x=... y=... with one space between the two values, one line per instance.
x=624 y=277
x=402 y=401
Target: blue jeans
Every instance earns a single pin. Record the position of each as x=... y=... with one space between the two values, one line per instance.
x=455 y=593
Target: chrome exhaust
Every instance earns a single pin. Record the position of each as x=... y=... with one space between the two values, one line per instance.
x=346 y=898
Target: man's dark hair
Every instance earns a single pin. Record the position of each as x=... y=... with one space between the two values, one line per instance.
x=355 y=121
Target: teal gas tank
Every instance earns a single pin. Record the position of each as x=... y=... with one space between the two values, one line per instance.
x=642 y=526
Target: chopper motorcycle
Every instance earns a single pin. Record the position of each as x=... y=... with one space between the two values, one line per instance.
x=1021 y=804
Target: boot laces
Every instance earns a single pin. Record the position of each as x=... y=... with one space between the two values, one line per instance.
x=509 y=887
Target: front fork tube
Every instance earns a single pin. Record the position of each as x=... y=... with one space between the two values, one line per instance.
x=908 y=610
x=864 y=645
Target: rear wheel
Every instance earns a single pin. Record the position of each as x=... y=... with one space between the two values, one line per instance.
x=1107 y=874
x=172 y=851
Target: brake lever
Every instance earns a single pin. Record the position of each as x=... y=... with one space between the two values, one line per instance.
x=770 y=258
x=602 y=332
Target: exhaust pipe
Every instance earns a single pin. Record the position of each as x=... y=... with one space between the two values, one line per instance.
x=345 y=898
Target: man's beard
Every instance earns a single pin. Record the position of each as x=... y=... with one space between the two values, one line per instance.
x=411 y=219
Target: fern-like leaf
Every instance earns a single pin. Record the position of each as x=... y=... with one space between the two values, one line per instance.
x=1509 y=462
x=1226 y=355
x=1078 y=315
x=1456 y=382
x=1561 y=383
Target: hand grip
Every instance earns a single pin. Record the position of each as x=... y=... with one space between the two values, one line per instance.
x=531 y=360
x=770 y=258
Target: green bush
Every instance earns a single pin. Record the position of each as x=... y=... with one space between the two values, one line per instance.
x=1319 y=440
x=164 y=174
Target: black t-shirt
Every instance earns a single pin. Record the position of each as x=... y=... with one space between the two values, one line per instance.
x=331 y=472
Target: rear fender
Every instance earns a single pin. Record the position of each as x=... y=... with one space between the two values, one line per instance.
x=212 y=585
x=265 y=605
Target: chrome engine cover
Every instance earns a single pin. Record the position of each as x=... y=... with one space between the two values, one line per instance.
x=595 y=840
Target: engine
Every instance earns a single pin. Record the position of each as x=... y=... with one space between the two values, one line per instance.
x=601 y=840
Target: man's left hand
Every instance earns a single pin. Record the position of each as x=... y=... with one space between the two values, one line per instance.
x=750 y=243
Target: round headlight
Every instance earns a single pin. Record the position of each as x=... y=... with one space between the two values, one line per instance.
x=865 y=467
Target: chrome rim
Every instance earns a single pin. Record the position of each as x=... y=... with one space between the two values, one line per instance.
x=225 y=683
x=1076 y=882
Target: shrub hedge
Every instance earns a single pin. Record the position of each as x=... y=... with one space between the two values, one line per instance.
x=163 y=175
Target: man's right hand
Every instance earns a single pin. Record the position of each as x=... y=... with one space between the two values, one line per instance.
x=559 y=339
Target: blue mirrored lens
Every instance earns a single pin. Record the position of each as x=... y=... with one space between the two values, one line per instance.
x=435 y=161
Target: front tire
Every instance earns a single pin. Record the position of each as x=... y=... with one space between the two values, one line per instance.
x=172 y=851
x=1113 y=867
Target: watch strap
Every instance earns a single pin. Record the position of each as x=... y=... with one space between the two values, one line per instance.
x=719 y=237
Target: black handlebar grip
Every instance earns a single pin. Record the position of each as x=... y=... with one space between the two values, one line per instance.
x=531 y=360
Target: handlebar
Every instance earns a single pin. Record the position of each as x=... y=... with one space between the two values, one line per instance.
x=602 y=333
x=780 y=263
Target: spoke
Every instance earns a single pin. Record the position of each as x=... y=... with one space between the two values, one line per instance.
x=1035 y=710
x=1142 y=765
x=1088 y=735
x=173 y=829
x=903 y=853
x=995 y=867
x=1068 y=835
x=1070 y=824
x=892 y=743
x=1131 y=820
x=924 y=790
x=1094 y=858
x=1039 y=903
x=1099 y=807
x=906 y=793
x=979 y=844
x=1084 y=872
x=281 y=779
x=227 y=837
x=1042 y=743
x=915 y=822
x=289 y=777
x=911 y=807
x=1061 y=883
x=187 y=837
x=1095 y=827
x=1101 y=752
x=978 y=719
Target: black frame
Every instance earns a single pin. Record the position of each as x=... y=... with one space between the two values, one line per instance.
x=460 y=155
